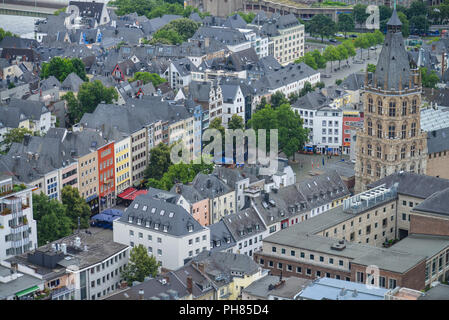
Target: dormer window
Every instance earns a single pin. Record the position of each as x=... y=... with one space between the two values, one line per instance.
x=147 y=224
x=153 y=210
x=218 y=243
x=190 y=228
x=136 y=206
x=228 y=239
x=144 y=208
x=130 y=219
x=171 y=214
x=162 y=212
x=139 y=221
x=165 y=228
x=156 y=226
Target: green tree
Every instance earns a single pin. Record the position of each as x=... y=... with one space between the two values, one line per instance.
x=262 y=104
x=338 y=82
x=419 y=23
x=91 y=94
x=429 y=78
x=309 y=60
x=349 y=45
x=345 y=23
x=342 y=53
x=322 y=25
x=277 y=99
x=60 y=68
x=371 y=67
x=159 y=162
x=236 y=122
x=11 y=85
x=293 y=97
x=292 y=135
x=147 y=77
x=320 y=85
x=75 y=111
x=176 y=32
x=76 y=207
x=4 y=33
x=362 y=43
x=51 y=218
x=417 y=8
x=248 y=17
x=319 y=59
x=140 y=265
x=331 y=54
x=306 y=89
x=359 y=12
x=405 y=24
x=14 y=135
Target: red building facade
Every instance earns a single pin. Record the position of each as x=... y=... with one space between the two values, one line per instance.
x=106 y=176
x=349 y=118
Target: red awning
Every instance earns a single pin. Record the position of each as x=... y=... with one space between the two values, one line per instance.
x=131 y=193
x=126 y=193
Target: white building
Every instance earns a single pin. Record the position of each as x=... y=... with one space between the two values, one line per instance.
x=18 y=233
x=167 y=230
x=327 y=130
x=258 y=42
x=233 y=103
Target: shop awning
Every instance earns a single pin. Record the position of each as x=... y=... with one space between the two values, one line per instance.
x=27 y=291
x=131 y=193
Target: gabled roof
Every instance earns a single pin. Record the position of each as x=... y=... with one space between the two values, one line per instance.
x=160 y=215
x=89 y=9
x=437 y=203
x=438 y=140
x=72 y=82
x=244 y=224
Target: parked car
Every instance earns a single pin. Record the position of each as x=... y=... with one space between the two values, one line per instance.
x=333 y=40
x=372 y=48
x=339 y=35
x=353 y=36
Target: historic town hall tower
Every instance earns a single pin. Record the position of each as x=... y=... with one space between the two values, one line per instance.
x=391 y=139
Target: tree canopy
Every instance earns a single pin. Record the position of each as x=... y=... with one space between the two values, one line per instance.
x=345 y=23
x=175 y=32
x=147 y=77
x=60 y=68
x=90 y=94
x=4 y=33
x=236 y=122
x=140 y=265
x=159 y=162
x=51 y=218
x=292 y=135
x=429 y=78
x=322 y=25
x=76 y=207
x=14 y=135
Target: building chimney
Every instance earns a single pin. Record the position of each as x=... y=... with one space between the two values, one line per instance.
x=141 y=294
x=201 y=267
x=189 y=284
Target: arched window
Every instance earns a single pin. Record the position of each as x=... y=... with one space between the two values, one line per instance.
x=370 y=127
x=377 y=170
x=391 y=131
x=403 y=149
x=404 y=131
x=379 y=130
x=404 y=107
x=413 y=130
x=379 y=152
x=412 y=167
x=368 y=169
x=379 y=107
x=414 y=105
x=392 y=108
x=370 y=150
x=412 y=151
x=370 y=105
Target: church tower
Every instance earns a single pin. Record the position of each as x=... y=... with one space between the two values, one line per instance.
x=391 y=139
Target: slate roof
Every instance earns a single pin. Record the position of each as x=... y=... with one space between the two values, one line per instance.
x=209 y=186
x=393 y=64
x=312 y=101
x=220 y=237
x=223 y=263
x=244 y=224
x=229 y=92
x=174 y=217
x=83 y=142
x=271 y=27
x=50 y=83
x=173 y=288
x=355 y=81
x=235 y=21
x=89 y=9
x=436 y=96
x=227 y=36
x=188 y=192
x=437 y=203
x=438 y=140
x=30 y=54
x=17 y=42
x=72 y=82
x=412 y=184
x=323 y=189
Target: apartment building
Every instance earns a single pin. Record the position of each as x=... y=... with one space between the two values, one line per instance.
x=438 y=153
x=221 y=196
x=327 y=130
x=233 y=103
x=286 y=36
x=122 y=156
x=106 y=175
x=82 y=266
x=18 y=233
x=167 y=230
x=209 y=95
x=197 y=204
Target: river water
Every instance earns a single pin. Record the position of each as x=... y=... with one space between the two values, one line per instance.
x=20 y=25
